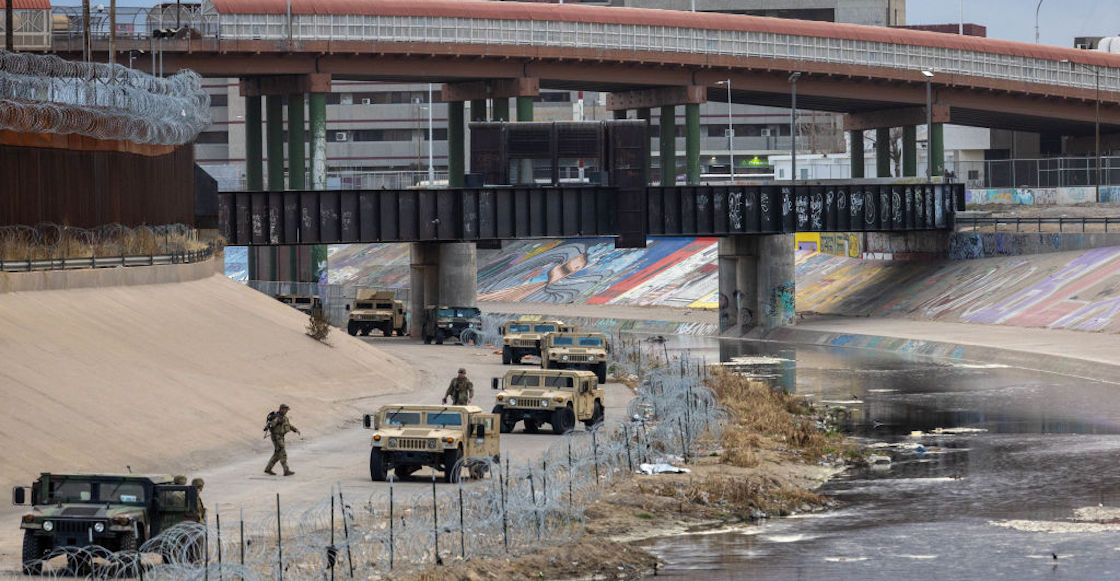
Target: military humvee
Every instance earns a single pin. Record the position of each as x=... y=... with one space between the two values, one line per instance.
x=462 y=323
x=523 y=337
x=116 y=511
x=448 y=438
x=303 y=303
x=576 y=351
x=376 y=310
x=548 y=396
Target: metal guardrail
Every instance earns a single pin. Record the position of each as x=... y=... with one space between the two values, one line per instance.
x=962 y=223
x=32 y=265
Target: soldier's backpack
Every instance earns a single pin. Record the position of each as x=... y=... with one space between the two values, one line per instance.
x=268 y=420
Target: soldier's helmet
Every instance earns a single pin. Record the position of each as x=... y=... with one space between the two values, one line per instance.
x=180 y=479
x=462 y=370
x=284 y=406
x=198 y=483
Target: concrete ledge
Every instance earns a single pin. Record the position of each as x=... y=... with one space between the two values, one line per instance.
x=11 y=282
x=981 y=354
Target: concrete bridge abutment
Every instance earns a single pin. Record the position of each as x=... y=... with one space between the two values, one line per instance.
x=756 y=283
x=442 y=273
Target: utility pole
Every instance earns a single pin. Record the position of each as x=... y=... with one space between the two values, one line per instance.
x=9 y=26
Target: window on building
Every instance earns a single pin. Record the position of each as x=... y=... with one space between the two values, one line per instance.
x=219 y=100
x=212 y=137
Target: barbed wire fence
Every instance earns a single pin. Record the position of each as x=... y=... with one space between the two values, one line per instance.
x=48 y=94
x=504 y=509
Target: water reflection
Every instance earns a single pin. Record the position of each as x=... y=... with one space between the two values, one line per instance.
x=974 y=451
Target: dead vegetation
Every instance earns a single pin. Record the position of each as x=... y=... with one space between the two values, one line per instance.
x=50 y=241
x=318 y=325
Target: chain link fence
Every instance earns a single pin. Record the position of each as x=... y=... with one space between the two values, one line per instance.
x=47 y=94
x=507 y=510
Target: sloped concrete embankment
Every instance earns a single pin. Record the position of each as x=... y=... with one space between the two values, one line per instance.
x=162 y=377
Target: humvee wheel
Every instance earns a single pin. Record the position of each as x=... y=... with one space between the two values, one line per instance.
x=376 y=465
x=352 y=329
x=387 y=330
x=507 y=357
x=563 y=420
x=439 y=337
x=452 y=465
x=32 y=554
x=531 y=426
x=506 y=426
x=478 y=470
x=601 y=371
x=427 y=339
x=596 y=416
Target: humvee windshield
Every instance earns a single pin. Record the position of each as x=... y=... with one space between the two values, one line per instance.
x=285 y=300
x=544 y=328
x=70 y=490
x=563 y=341
x=364 y=306
x=465 y=313
x=590 y=342
x=519 y=328
x=444 y=419
x=402 y=418
x=129 y=492
x=384 y=305
x=535 y=381
x=303 y=301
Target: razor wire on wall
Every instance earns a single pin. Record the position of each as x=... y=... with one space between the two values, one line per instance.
x=505 y=510
x=47 y=94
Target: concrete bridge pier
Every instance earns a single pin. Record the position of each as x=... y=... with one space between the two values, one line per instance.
x=756 y=283
x=442 y=273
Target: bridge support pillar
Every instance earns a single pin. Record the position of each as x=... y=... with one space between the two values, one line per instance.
x=855 y=148
x=525 y=114
x=501 y=109
x=274 y=129
x=317 y=117
x=297 y=178
x=883 y=152
x=937 y=149
x=668 y=149
x=692 y=143
x=910 y=151
x=478 y=109
x=756 y=283
x=443 y=273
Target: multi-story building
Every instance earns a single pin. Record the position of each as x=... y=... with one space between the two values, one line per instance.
x=377 y=133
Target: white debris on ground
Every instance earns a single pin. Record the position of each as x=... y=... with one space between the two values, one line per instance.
x=1097 y=514
x=661 y=468
x=1090 y=519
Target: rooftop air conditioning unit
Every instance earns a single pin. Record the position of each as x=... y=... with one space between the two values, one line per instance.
x=765 y=132
x=365 y=101
x=340 y=136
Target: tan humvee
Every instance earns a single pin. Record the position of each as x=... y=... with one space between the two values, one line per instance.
x=304 y=303
x=523 y=337
x=548 y=396
x=576 y=351
x=448 y=438
x=376 y=310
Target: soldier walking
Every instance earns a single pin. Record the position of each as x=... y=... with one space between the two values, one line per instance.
x=461 y=390
x=278 y=426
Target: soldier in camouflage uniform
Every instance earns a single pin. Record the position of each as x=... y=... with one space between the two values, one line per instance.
x=461 y=390
x=277 y=428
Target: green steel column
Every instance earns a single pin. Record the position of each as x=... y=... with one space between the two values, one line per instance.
x=883 y=152
x=478 y=110
x=668 y=149
x=524 y=108
x=297 y=143
x=692 y=143
x=254 y=158
x=645 y=114
x=620 y=114
x=909 y=151
x=855 y=147
x=501 y=109
x=317 y=115
x=274 y=136
x=937 y=150
x=254 y=164
x=455 y=145
x=297 y=157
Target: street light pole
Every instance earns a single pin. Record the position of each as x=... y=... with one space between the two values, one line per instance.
x=929 y=125
x=1036 y=9
x=730 y=132
x=793 y=126
x=431 y=168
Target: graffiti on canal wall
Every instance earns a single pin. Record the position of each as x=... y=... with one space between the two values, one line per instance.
x=1041 y=196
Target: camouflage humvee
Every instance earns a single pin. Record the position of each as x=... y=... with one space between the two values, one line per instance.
x=118 y=512
x=576 y=351
x=443 y=322
x=548 y=396
x=443 y=437
x=376 y=310
x=523 y=337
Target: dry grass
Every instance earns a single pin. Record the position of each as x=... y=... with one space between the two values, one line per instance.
x=318 y=326
x=77 y=243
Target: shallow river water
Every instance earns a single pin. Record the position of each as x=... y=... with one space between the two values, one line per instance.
x=988 y=465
